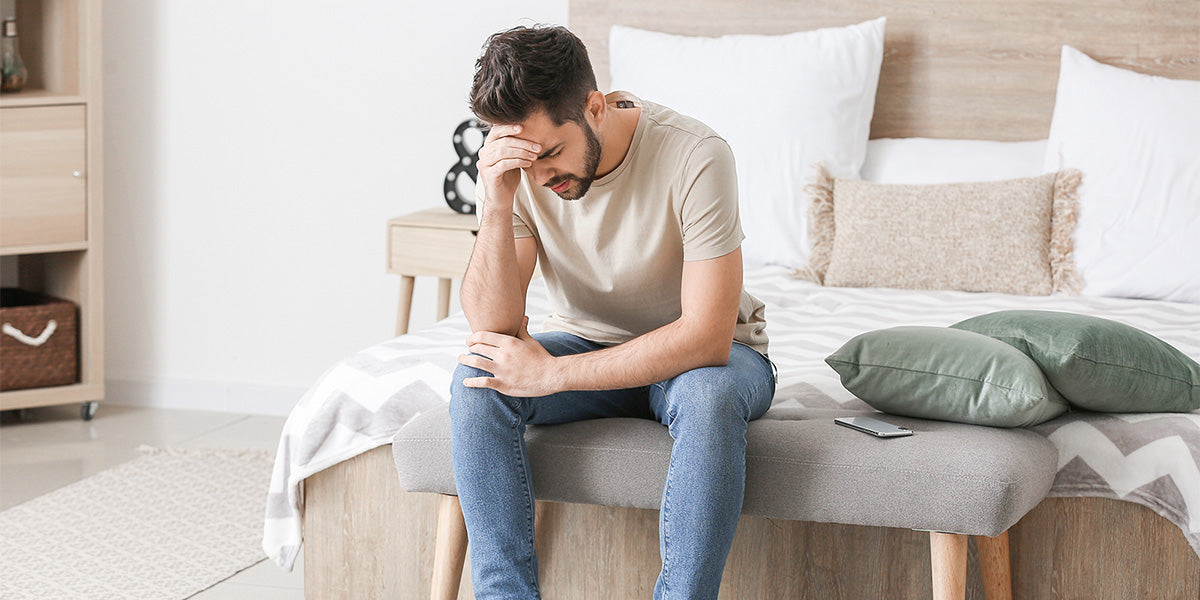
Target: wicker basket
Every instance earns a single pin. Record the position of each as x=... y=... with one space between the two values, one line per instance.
x=39 y=340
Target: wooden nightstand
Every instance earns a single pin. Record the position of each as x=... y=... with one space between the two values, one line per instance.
x=434 y=242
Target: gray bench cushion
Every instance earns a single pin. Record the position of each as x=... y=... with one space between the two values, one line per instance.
x=799 y=466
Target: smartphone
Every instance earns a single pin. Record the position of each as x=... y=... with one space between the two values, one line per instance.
x=874 y=427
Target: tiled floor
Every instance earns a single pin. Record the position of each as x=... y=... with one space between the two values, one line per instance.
x=46 y=448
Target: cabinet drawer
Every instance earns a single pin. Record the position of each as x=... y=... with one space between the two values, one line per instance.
x=43 y=168
x=428 y=251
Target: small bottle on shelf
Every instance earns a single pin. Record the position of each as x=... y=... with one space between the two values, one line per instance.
x=12 y=68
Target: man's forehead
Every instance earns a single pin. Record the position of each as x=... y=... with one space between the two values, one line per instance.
x=540 y=128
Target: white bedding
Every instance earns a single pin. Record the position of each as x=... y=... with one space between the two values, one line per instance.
x=1151 y=459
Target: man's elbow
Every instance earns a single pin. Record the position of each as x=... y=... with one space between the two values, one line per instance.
x=710 y=343
x=716 y=352
x=489 y=315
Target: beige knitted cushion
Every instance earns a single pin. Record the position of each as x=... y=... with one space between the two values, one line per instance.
x=1010 y=236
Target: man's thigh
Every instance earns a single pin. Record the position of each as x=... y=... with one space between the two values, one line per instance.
x=746 y=383
x=565 y=407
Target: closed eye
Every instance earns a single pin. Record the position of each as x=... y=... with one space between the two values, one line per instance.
x=552 y=152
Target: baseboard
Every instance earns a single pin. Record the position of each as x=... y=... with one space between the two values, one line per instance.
x=203 y=395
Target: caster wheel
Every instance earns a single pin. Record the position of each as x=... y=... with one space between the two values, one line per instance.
x=89 y=410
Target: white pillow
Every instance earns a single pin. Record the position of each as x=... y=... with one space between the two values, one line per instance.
x=921 y=161
x=782 y=102
x=1137 y=140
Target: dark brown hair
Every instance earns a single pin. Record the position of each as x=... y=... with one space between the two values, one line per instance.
x=527 y=69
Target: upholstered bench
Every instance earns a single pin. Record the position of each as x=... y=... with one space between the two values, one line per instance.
x=950 y=479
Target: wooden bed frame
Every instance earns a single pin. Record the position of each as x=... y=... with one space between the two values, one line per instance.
x=951 y=69
x=365 y=537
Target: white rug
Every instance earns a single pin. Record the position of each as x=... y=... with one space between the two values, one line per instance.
x=163 y=526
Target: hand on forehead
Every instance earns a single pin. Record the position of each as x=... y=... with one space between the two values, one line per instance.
x=499 y=131
x=538 y=127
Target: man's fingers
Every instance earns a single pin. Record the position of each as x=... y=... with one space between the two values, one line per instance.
x=477 y=362
x=490 y=353
x=518 y=143
x=495 y=131
x=489 y=338
x=505 y=137
x=504 y=164
x=479 y=382
x=501 y=131
x=500 y=153
x=510 y=164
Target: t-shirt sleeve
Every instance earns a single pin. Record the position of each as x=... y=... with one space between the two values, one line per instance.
x=520 y=229
x=709 y=212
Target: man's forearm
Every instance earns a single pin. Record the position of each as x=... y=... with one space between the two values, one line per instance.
x=492 y=297
x=700 y=337
x=656 y=356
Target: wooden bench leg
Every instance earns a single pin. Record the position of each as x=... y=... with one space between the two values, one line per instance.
x=451 y=551
x=994 y=566
x=948 y=552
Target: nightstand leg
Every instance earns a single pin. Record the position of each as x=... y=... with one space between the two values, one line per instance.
x=443 y=298
x=406 y=293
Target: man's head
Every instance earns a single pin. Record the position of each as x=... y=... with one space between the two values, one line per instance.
x=530 y=69
x=541 y=78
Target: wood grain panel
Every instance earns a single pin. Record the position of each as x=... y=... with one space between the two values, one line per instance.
x=367 y=538
x=951 y=68
x=43 y=169
x=434 y=242
x=54 y=46
x=1100 y=548
x=433 y=252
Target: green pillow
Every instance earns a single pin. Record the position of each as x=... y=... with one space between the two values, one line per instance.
x=1098 y=364
x=946 y=374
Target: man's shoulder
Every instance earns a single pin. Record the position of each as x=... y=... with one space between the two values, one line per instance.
x=691 y=138
x=669 y=122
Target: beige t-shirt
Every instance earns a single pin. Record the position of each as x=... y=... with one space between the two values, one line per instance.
x=613 y=260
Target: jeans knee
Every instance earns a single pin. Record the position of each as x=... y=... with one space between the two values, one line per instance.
x=461 y=373
x=717 y=397
x=469 y=402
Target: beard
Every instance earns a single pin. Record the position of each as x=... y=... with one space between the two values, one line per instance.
x=591 y=161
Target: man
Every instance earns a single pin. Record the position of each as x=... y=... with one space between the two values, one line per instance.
x=631 y=211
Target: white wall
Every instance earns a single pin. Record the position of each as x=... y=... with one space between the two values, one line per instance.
x=254 y=152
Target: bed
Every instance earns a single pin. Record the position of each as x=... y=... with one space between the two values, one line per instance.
x=1119 y=521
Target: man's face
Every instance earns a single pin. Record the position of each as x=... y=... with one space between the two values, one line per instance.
x=569 y=157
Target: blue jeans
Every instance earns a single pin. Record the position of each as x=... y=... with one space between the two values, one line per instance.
x=705 y=410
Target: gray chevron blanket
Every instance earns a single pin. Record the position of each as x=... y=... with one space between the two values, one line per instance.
x=1151 y=459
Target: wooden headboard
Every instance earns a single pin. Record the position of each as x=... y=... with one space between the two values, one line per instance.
x=951 y=68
